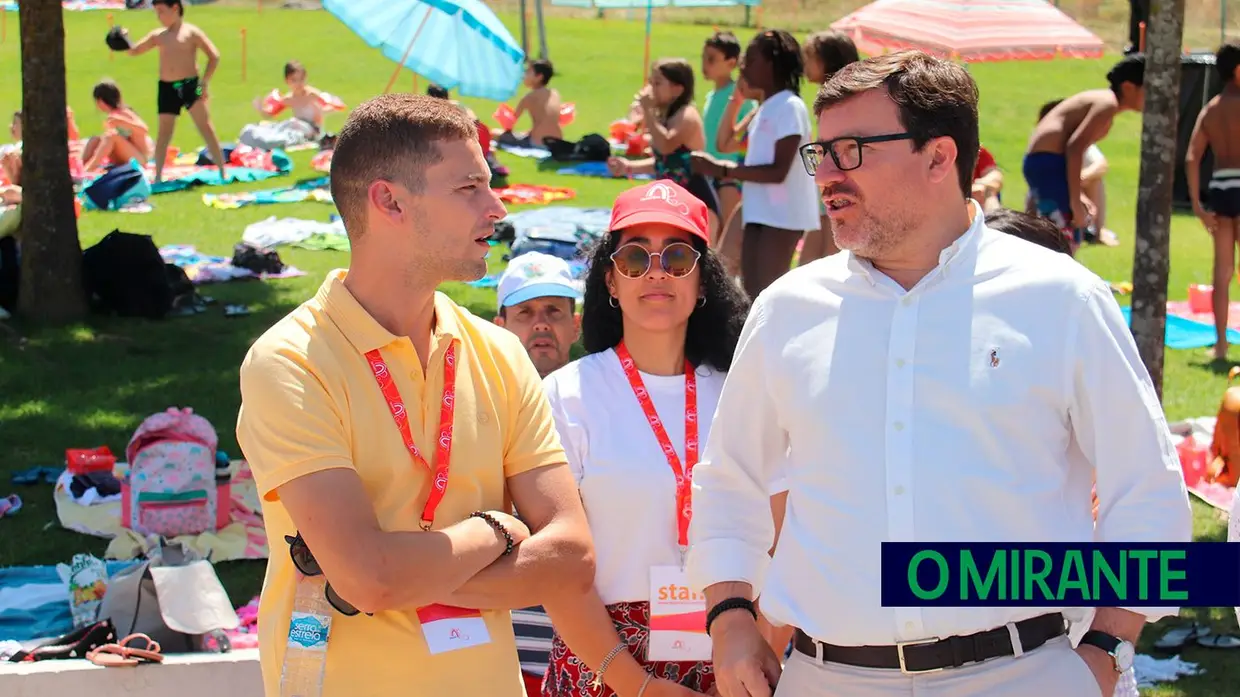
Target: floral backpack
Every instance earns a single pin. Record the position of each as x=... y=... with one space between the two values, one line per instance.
x=173 y=486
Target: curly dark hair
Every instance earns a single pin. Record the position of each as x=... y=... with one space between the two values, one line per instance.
x=714 y=327
x=782 y=49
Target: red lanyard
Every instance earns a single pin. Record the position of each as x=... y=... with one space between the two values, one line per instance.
x=684 y=476
x=447 y=407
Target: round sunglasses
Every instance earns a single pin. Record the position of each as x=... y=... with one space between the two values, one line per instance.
x=677 y=260
x=309 y=566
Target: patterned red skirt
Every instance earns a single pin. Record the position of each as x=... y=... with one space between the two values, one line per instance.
x=567 y=676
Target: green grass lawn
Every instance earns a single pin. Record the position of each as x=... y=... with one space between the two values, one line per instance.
x=92 y=384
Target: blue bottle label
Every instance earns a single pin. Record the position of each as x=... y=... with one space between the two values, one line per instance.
x=309 y=631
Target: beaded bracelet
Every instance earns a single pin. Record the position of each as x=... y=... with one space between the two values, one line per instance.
x=499 y=527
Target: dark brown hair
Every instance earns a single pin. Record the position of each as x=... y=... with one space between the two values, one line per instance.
x=291 y=68
x=1227 y=59
x=1029 y=228
x=726 y=43
x=678 y=72
x=393 y=137
x=935 y=97
x=108 y=93
x=834 y=49
x=171 y=3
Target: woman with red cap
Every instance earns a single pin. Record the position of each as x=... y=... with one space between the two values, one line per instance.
x=660 y=321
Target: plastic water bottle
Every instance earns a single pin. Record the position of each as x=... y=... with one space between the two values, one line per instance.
x=305 y=657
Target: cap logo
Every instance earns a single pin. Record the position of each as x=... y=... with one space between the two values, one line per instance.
x=662 y=192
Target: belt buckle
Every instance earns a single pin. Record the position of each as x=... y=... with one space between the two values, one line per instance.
x=901 y=645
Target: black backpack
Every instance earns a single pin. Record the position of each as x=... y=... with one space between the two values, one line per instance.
x=125 y=275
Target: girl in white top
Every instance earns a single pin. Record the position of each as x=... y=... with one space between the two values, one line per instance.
x=779 y=200
x=660 y=321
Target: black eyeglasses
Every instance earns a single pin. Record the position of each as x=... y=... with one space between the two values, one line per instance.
x=845 y=152
x=307 y=565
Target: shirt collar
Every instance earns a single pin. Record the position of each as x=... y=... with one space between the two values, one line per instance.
x=362 y=330
x=962 y=248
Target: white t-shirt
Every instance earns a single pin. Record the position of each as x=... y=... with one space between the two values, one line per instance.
x=626 y=484
x=793 y=203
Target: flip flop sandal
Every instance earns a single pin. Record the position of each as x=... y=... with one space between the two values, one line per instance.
x=1219 y=641
x=110 y=655
x=151 y=654
x=10 y=505
x=1178 y=637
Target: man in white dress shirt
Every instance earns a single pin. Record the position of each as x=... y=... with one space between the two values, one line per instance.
x=938 y=381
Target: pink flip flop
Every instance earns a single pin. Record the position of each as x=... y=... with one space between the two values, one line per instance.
x=10 y=505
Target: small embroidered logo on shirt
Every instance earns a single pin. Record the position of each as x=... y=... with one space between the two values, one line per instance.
x=994 y=358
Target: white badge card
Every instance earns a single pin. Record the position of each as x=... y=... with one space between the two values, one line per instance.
x=449 y=628
x=677 y=618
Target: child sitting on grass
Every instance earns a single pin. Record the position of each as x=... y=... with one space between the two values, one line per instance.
x=676 y=132
x=543 y=105
x=307 y=103
x=125 y=137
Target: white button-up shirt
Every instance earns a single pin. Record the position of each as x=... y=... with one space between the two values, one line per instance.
x=974 y=407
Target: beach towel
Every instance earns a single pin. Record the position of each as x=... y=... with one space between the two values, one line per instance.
x=1193 y=456
x=534 y=194
x=524 y=151
x=34 y=601
x=1184 y=333
x=297 y=232
x=1182 y=308
x=595 y=169
x=205 y=268
x=317 y=190
x=244 y=538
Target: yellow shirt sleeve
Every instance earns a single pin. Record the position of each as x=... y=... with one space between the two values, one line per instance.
x=531 y=440
x=288 y=425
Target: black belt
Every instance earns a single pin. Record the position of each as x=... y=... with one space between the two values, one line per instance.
x=931 y=655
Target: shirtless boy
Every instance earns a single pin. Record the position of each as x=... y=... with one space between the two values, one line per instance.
x=1218 y=128
x=179 y=85
x=1056 y=152
x=543 y=105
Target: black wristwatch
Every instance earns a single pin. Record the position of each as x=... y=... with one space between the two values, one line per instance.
x=1122 y=652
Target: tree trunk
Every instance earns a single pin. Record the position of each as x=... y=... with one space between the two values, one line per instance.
x=1152 y=255
x=51 y=266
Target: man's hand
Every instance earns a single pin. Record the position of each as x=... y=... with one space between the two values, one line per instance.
x=1101 y=665
x=745 y=665
x=1080 y=216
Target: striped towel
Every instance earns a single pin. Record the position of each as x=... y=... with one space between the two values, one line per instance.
x=34 y=601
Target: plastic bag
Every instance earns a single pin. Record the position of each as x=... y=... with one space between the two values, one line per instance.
x=87 y=577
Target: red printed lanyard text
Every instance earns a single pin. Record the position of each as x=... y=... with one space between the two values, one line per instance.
x=447 y=409
x=684 y=475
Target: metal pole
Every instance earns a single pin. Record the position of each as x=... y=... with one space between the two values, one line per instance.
x=542 y=30
x=525 y=43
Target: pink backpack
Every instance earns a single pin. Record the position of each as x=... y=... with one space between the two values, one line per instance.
x=173 y=487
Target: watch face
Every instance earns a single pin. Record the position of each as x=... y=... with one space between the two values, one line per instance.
x=1124 y=654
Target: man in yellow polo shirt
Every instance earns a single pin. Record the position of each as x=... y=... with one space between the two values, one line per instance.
x=390 y=431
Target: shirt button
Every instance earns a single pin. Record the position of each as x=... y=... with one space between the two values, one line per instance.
x=899 y=362
x=899 y=490
x=906 y=300
x=908 y=626
x=899 y=425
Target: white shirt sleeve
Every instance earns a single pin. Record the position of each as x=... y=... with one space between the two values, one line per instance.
x=732 y=529
x=788 y=120
x=570 y=429
x=1120 y=427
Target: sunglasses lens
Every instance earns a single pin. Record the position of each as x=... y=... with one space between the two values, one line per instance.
x=303 y=559
x=342 y=606
x=678 y=259
x=632 y=261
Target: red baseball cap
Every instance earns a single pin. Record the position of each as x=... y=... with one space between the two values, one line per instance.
x=661 y=201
